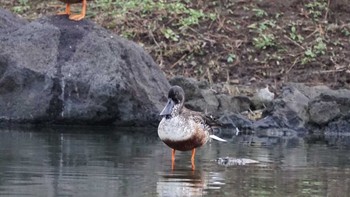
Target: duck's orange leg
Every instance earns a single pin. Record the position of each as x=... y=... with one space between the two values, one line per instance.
x=192 y=159
x=173 y=159
x=67 y=11
x=78 y=17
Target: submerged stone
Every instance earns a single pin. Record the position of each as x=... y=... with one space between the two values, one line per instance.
x=231 y=161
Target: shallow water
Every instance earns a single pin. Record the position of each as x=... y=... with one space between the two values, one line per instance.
x=129 y=162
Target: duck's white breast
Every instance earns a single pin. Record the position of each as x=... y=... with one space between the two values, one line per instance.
x=176 y=128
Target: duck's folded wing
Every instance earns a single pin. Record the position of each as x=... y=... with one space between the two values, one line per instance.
x=211 y=120
x=208 y=122
x=204 y=119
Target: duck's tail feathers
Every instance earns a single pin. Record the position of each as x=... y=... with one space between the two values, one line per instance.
x=217 y=138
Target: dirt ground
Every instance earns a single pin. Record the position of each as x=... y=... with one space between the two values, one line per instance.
x=244 y=42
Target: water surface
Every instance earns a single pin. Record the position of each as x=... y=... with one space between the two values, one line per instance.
x=134 y=162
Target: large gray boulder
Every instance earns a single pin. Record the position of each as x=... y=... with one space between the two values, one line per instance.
x=329 y=105
x=54 y=70
x=8 y=22
x=330 y=113
x=323 y=112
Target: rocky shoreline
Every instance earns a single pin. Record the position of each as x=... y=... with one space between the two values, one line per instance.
x=299 y=108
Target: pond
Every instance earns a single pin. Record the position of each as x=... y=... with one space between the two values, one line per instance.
x=134 y=162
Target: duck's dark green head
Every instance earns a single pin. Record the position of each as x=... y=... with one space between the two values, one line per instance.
x=176 y=98
x=177 y=94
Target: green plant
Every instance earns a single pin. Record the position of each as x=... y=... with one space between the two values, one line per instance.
x=265 y=38
x=309 y=56
x=128 y=34
x=193 y=17
x=22 y=7
x=259 y=12
x=264 y=41
x=310 y=53
x=316 y=8
x=294 y=35
x=319 y=48
x=170 y=35
x=103 y=4
x=264 y=25
x=183 y=15
x=345 y=32
x=231 y=58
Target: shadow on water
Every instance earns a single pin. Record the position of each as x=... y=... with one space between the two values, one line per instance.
x=102 y=161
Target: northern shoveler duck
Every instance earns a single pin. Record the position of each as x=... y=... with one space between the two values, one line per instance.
x=76 y=17
x=183 y=129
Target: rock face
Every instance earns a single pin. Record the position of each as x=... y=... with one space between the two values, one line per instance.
x=8 y=22
x=298 y=110
x=54 y=70
x=304 y=108
x=323 y=112
x=200 y=97
x=289 y=111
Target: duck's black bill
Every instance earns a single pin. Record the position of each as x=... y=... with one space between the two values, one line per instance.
x=168 y=108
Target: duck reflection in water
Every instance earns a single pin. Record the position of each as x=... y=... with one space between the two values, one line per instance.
x=186 y=182
x=183 y=129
